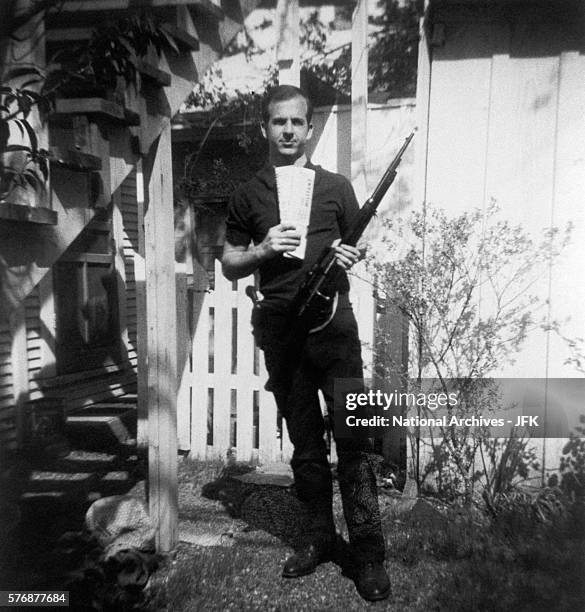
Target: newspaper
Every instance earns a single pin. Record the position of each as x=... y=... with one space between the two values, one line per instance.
x=294 y=186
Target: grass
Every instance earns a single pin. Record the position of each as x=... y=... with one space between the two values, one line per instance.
x=453 y=560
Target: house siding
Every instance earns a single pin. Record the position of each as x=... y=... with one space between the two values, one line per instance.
x=32 y=310
x=7 y=428
x=129 y=208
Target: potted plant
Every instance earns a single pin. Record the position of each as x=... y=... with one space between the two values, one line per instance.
x=24 y=168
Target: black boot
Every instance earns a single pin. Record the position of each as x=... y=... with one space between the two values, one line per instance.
x=305 y=560
x=372 y=581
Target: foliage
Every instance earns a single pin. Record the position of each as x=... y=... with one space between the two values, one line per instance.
x=24 y=164
x=449 y=264
x=109 y=55
x=572 y=467
x=194 y=184
x=392 y=52
x=527 y=557
x=393 y=55
x=224 y=108
x=464 y=284
x=504 y=463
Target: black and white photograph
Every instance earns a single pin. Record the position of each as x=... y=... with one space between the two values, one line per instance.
x=291 y=305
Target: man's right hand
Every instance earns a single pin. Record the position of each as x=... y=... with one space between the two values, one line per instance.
x=282 y=238
x=239 y=261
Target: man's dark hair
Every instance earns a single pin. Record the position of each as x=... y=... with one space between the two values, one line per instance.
x=282 y=93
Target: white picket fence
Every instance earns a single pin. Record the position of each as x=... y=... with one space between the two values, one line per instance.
x=229 y=407
x=222 y=401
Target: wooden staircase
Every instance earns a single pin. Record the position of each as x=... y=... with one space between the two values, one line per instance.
x=94 y=141
x=45 y=494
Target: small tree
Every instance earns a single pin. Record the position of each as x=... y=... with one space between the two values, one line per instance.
x=464 y=284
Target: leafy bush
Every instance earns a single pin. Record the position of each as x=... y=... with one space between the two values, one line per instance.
x=446 y=268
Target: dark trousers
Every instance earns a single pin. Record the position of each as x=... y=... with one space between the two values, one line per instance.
x=334 y=352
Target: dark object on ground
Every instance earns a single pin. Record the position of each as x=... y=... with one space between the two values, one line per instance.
x=306 y=560
x=112 y=584
x=270 y=508
x=372 y=582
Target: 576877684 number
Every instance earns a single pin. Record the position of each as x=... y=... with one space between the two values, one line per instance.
x=34 y=598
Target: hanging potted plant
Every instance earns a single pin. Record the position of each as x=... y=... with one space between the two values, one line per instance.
x=24 y=168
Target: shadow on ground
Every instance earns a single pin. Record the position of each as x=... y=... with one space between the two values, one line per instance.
x=273 y=509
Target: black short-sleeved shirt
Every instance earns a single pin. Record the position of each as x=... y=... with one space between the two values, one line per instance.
x=253 y=210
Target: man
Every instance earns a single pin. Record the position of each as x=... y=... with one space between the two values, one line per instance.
x=257 y=240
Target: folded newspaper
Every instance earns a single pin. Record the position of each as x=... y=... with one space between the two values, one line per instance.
x=294 y=186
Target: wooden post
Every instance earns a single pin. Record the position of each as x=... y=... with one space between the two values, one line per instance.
x=161 y=322
x=287 y=48
x=141 y=326
x=359 y=99
x=183 y=353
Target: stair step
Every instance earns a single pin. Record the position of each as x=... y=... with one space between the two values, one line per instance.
x=126 y=412
x=101 y=427
x=50 y=513
x=83 y=461
x=43 y=502
x=116 y=483
x=42 y=482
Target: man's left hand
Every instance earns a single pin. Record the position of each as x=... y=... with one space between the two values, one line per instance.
x=346 y=256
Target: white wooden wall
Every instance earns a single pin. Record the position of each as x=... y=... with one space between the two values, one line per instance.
x=501 y=98
x=506 y=121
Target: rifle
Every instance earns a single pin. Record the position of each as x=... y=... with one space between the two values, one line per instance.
x=315 y=303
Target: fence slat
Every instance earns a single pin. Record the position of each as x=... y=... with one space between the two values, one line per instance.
x=202 y=302
x=246 y=383
x=222 y=362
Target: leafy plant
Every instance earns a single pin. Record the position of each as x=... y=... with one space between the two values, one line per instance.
x=193 y=185
x=504 y=462
x=572 y=466
x=448 y=268
x=109 y=55
x=393 y=55
x=24 y=164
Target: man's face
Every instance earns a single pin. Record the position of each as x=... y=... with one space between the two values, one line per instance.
x=287 y=130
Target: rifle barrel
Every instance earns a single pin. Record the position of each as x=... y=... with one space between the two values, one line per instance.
x=368 y=210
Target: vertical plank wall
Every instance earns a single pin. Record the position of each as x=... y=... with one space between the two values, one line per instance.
x=129 y=211
x=7 y=429
x=506 y=122
x=34 y=341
